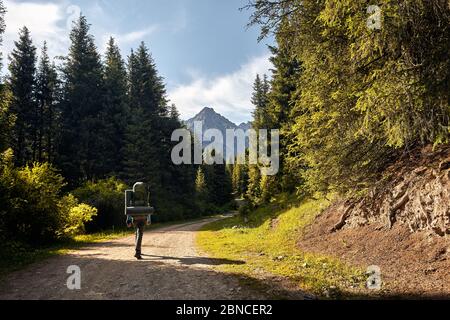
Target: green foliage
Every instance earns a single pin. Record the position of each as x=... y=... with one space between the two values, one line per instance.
x=107 y=196
x=116 y=112
x=260 y=100
x=148 y=145
x=47 y=113
x=30 y=201
x=213 y=189
x=6 y=118
x=362 y=96
x=254 y=184
x=22 y=84
x=83 y=151
x=219 y=186
x=266 y=239
x=76 y=216
x=33 y=211
x=201 y=188
x=34 y=216
x=239 y=178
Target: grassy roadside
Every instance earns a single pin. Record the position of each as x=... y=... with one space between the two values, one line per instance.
x=268 y=245
x=23 y=256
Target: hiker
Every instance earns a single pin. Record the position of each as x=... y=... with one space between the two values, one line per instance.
x=138 y=212
x=139 y=223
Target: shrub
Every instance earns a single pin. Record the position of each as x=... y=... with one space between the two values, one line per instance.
x=108 y=197
x=32 y=210
x=30 y=201
x=76 y=216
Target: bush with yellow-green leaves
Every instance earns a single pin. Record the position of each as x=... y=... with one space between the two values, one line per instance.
x=33 y=210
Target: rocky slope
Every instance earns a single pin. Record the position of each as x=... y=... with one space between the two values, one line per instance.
x=416 y=193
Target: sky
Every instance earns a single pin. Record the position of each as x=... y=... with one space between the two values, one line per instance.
x=202 y=48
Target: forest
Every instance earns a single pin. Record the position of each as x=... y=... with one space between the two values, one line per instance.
x=77 y=130
x=349 y=100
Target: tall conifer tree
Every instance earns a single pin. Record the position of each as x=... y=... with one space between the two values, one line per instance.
x=47 y=90
x=81 y=155
x=22 y=84
x=115 y=114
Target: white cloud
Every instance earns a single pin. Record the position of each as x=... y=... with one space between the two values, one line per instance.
x=44 y=20
x=52 y=21
x=228 y=94
x=130 y=38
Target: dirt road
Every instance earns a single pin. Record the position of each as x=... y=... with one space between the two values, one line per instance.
x=172 y=269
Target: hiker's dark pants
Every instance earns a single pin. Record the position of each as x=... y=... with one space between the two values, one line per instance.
x=140 y=225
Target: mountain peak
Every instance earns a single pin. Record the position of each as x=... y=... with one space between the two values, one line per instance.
x=210 y=119
x=208 y=110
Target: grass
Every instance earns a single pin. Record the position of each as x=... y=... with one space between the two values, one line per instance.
x=267 y=244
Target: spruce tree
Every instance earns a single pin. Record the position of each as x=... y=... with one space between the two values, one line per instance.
x=283 y=92
x=261 y=120
x=148 y=138
x=47 y=90
x=141 y=135
x=201 y=187
x=22 y=85
x=83 y=142
x=260 y=102
x=174 y=114
x=115 y=113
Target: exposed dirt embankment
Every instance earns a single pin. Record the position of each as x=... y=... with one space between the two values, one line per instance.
x=416 y=193
x=402 y=226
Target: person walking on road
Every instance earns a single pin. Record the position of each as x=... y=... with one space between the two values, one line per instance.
x=139 y=223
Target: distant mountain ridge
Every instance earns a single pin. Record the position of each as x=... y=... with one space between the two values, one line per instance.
x=213 y=120
x=210 y=119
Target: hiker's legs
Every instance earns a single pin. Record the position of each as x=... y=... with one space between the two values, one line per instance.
x=139 y=236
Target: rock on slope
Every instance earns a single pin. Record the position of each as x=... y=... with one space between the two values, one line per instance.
x=416 y=194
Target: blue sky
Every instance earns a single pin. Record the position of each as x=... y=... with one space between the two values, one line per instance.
x=201 y=47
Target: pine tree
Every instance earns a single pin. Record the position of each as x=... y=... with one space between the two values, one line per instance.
x=254 y=184
x=261 y=120
x=81 y=154
x=260 y=101
x=142 y=135
x=283 y=93
x=201 y=187
x=148 y=139
x=239 y=174
x=22 y=85
x=47 y=90
x=221 y=185
x=174 y=114
x=115 y=113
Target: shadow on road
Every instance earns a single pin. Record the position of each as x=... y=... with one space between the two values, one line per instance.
x=150 y=279
x=195 y=260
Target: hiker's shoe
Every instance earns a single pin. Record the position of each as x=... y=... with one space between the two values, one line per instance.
x=138 y=256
